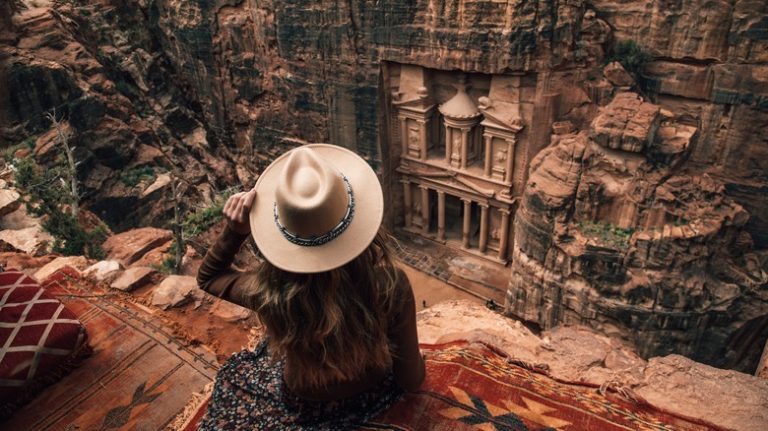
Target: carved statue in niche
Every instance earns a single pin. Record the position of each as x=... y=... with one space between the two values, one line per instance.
x=414 y=141
x=456 y=149
x=500 y=163
x=416 y=218
x=501 y=156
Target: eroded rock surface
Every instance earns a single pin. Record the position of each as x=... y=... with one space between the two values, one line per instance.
x=726 y=398
x=175 y=290
x=610 y=211
x=103 y=270
x=614 y=233
x=224 y=82
x=33 y=240
x=128 y=247
x=78 y=263
x=133 y=278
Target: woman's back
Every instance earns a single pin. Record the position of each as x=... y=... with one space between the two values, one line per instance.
x=340 y=319
x=331 y=326
x=340 y=331
x=375 y=353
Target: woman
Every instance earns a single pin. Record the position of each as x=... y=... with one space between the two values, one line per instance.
x=341 y=340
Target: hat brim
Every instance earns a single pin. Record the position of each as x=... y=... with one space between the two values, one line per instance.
x=369 y=210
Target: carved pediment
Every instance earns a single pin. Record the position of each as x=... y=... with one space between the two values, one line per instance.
x=503 y=115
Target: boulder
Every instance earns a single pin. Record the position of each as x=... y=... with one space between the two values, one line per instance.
x=176 y=290
x=9 y=201
x=19 y=219
x=23 y=261
x=133 y=278
x=33 y=240
x=727 y=398
x=148 y=155
x=229 y=311
x=161 y=181
x=75 y=262
x=627 y=123
x=155 y=257
x=128 y=247
x=617 y=75
x=103 y=270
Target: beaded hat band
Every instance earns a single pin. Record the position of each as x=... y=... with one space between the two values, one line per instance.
x=308 y=217
x=328 y=236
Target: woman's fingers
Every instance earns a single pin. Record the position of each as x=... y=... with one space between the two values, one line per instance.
x=249 y=198
x=230 y=205
x=238 y=206
x=227 y=205
x=237 y=211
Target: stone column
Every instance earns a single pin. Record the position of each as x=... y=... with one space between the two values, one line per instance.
x=510 y=161
x=440 y=215
x=424 y=210
x=488 y=155
x=404 y=134
x=423 y=135
x=448 y=144
x=408 y=202
x=483 y=227
x=467 y=223
x=464 y=143
x=504 y=236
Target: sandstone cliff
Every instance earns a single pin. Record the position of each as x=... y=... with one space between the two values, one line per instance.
x=669 y=215
x=612 y=232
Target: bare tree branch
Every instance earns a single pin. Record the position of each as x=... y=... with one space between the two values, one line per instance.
x=63 y=135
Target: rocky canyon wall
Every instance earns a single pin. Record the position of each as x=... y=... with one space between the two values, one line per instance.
x=657 y=235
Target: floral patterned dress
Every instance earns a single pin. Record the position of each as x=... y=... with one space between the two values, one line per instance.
x=250 y=394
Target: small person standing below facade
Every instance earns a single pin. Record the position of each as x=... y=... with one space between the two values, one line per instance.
x=341 y=342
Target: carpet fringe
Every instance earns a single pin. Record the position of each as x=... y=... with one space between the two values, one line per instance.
x=181 y=421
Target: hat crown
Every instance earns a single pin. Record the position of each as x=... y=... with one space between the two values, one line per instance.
x=311 y=196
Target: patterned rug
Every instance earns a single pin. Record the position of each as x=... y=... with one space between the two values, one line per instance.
x=139 y=377
x=474 y=387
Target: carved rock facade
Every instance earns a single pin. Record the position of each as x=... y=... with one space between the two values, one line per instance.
x=224 y=86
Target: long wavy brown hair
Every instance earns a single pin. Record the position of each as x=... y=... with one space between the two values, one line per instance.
x=332 y=326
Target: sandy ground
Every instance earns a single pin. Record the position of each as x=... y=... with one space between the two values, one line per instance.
x=430 y=291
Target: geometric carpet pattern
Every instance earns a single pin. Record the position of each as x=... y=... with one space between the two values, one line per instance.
x=471 y=387
x=139 y=376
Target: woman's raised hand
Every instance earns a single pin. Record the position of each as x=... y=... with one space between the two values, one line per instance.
x=237 y=209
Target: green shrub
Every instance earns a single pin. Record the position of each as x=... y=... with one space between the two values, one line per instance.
x=607 y=233
x=42 y=185
x=29 y=142
x=48 y=196
x=8 y=153
x=134 y=176
x=630 y=55
x=202 y=219
x=70 y=238
x=167 y=266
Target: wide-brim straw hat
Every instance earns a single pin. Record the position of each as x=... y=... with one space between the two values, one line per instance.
x=317 y=207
